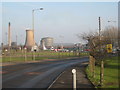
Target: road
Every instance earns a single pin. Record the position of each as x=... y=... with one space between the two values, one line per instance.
x=35 y=75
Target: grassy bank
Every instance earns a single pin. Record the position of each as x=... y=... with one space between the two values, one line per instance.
x=111 y=75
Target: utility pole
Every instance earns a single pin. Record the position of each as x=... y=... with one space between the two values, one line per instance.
x=6 y=38
x=16 y=39
x=102 y=63
x=99 y=26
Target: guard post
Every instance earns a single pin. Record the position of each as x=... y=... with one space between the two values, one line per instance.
x=74 y=78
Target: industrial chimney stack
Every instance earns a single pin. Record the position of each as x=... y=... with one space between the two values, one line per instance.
x=9 y=36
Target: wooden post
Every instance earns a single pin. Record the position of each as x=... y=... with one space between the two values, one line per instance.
x=102 y=73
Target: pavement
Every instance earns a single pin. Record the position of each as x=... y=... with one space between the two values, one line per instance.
x=65 y=79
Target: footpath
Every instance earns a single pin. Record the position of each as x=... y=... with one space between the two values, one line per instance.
x=65 y=79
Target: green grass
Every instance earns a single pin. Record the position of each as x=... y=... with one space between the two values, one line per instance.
x=111 y=76
x=21 y=59
x=20 y=56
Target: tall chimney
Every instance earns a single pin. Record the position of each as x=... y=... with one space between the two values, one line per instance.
x=9 y=35
x=29 y=39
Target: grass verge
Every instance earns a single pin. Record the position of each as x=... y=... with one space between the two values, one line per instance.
x=111 y=73
x=38 y=56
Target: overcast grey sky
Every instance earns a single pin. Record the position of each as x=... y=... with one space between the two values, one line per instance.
x=60 y=20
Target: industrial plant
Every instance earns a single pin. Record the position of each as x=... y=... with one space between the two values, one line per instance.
x=46 y=43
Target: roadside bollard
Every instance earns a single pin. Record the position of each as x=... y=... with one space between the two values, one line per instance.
x=74 y=78
x=25 y=54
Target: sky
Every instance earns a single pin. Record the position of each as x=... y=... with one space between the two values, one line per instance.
x=60 y=0
x=60 y=20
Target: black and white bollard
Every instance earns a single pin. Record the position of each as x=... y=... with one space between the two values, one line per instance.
x=74 y=78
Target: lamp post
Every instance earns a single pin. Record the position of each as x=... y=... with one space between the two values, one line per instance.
x=112 y=21
x=33 y=21
x=114 y=40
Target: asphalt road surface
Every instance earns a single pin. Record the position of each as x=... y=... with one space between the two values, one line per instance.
x=35 y=75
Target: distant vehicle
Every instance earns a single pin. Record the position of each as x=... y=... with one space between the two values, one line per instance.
x=65 y=50
x=61 y=50
x=56 y=50
x=114 y=51
x=87 y=50
x=52 y=48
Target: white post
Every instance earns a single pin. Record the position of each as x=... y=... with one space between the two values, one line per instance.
x=74 y=78
x=25 y=54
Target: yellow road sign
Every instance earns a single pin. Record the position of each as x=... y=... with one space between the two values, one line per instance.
x=109 y=48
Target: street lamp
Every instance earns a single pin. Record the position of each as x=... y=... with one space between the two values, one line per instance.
x=115 y=26
x=112 y=21
x=33 y=21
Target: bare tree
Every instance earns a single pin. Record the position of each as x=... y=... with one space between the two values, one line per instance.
x=97 y=45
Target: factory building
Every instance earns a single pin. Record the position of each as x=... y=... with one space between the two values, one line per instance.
x=14 y=44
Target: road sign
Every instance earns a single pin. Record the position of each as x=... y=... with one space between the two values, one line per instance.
x=109 y=48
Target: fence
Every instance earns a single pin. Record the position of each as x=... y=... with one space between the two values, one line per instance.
x=20 y=56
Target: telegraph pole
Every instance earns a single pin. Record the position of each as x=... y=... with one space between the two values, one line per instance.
x=16 y=39
x=6 y=38
x=99 y=26
x=102 y=63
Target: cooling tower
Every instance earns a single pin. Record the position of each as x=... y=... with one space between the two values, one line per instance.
x=29 y=39
x=48 y=41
